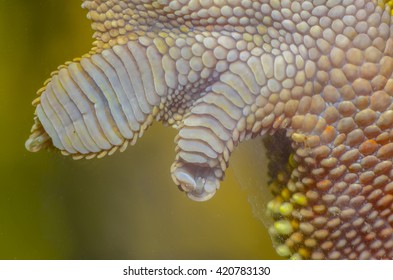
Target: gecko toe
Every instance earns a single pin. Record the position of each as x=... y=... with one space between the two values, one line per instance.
x=200 y=183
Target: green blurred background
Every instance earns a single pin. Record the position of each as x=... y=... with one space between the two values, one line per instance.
x=120 y=207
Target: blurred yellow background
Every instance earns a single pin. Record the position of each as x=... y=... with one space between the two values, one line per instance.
x=120 y=207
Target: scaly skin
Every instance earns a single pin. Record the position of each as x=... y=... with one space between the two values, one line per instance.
x=224 y=71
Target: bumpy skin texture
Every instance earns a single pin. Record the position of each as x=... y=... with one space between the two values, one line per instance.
x=224 y=71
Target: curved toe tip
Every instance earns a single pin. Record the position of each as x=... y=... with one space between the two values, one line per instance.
x=38 y=138
x=184 y=179
x=200 y=183
x=32 y=145
x=200 y=196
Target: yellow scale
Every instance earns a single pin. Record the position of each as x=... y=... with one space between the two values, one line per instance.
x=389 y=3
